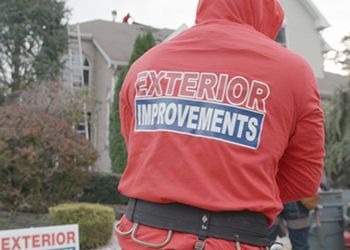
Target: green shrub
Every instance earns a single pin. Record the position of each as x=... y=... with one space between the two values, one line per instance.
x=95 y=222
x=102 y=188
x=117 y=150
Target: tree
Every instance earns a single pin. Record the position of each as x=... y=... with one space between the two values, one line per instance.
x=337 y=161
x=42 y=160
x=57 y=99
x=344 y=56
x=117 y=150
x=33 y=37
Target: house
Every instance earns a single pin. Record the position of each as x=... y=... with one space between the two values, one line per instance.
x=303 y=26
x=329 y=83
x=302 y=33
x=106 y=48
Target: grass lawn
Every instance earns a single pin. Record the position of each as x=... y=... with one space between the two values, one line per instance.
x=22 y=220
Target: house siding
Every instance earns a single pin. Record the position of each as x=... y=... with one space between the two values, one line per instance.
x=303 y=36
x=101 y=78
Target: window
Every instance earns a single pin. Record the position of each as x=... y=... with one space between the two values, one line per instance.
x=86 y=72
x=73 y=73
x=82 y=129
x=282 y=37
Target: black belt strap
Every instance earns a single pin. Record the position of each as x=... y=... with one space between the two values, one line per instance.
x=243 y=226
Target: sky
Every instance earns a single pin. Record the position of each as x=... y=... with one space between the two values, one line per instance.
x=172 y=14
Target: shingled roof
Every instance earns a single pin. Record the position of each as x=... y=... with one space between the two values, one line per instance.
x=117 y=39
x=330 y=83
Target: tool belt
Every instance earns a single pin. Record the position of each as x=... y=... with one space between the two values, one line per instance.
x=241 y=226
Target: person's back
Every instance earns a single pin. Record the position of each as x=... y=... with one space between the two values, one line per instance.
x=222 y=117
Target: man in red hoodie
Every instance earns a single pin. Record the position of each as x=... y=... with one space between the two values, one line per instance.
x=222 y=126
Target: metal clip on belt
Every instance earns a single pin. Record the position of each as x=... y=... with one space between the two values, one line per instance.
x=133 y=231
x=277 y=246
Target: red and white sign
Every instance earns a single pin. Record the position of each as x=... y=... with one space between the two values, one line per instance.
x=41 y=238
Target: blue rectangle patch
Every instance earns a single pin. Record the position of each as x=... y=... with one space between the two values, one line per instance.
x=210 y=120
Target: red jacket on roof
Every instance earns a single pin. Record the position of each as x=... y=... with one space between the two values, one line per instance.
x=222 y=117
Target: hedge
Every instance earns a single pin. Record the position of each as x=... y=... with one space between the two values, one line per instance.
x=95 y=222
x=43 y=162
x=117 y=150
x=102 y=188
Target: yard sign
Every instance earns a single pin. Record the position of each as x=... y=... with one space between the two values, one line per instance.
x=41 y=238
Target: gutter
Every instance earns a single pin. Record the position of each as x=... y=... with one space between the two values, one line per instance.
x=321 y=22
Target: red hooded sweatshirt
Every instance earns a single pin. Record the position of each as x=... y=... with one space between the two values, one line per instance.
x=222 y=117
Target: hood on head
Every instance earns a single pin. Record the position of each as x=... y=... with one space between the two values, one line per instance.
x=266 y=16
